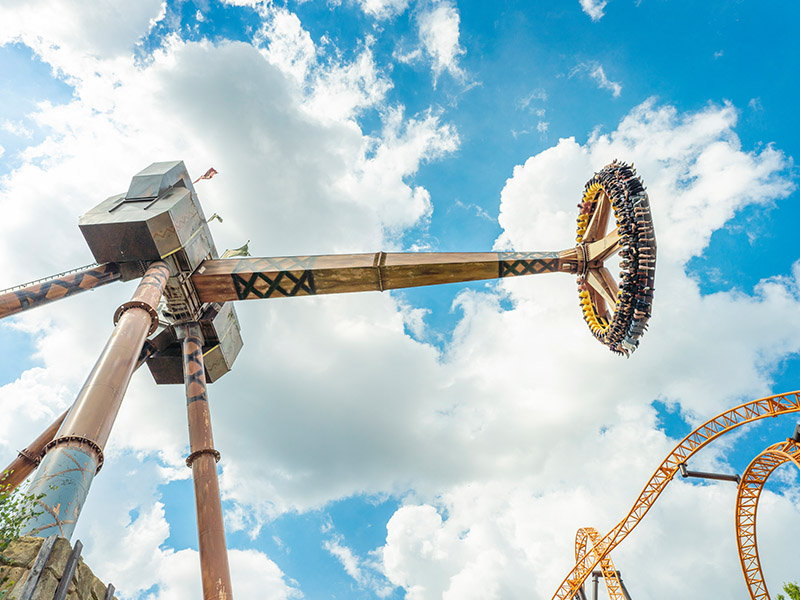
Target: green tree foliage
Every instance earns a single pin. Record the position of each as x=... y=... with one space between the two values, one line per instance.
x=792 y=590
x=16 y=509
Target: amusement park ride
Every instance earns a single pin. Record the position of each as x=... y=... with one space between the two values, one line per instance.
x=181 y=323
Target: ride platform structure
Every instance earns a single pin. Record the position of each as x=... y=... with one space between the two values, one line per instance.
x=181 y=321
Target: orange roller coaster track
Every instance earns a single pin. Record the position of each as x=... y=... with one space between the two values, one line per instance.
x=585 y=548
x=753 y=480
x=771 y=406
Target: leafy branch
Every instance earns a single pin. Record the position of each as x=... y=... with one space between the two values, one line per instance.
x=16 y=509
x=792 y=589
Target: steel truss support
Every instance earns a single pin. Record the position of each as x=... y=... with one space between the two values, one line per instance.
x=586 y=551
x=73 y=458
x=203 y=458
x=753 y=481
x=723 y=423
x=705 y=475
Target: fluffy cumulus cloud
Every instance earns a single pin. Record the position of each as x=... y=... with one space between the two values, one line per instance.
x=137 y=562
x=500 y=445
x=67 y=27
x=438 y=40
x=438 y=32
x=297 y=175
x=561 y=439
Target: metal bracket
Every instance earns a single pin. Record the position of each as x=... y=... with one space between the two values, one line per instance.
x=704 y=475
x=196 y=453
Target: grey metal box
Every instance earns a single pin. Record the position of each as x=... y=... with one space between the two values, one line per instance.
x=158 y=217
x=223 y=341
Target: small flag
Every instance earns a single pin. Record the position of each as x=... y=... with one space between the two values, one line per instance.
x=208 y=175
x=243 y=251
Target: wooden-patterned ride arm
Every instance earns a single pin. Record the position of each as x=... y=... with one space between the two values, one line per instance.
x=223 y=280
x=43 y=291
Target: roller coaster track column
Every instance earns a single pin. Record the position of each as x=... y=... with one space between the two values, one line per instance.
x=586 y=536
x=771 y=406
x=753 y=480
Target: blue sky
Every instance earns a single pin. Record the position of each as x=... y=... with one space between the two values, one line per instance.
x=432 y=443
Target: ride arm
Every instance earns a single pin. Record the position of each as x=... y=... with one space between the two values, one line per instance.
x=223 y=280
x=43 y=291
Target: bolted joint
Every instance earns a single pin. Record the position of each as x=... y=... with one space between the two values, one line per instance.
x=138 y=304
x=190 y=459
x=148 y=293
x=35 y=460
x=81 y=441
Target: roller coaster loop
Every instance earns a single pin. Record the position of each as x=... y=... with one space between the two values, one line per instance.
x=771 y=406
x=582 y=554
x=753 y=480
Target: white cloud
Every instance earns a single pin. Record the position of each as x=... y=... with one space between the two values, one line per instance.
x=134 y=558
x=500 y=542
x=338 y=91
x=72 y=35
x=598 y=73
x=603 y=82
x=439 y=36
x=366 y=573
x=345 y=556
x=496 y=536
x=506 y=441
x=383 y=9
x=16 y=128
x=594 y=8
x=288 y=45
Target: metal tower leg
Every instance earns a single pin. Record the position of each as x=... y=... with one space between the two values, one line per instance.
x=73 y=458
x=203 y=458
x=28 y=459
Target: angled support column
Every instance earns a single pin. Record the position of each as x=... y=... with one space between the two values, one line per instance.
x=72 y=459
x=28 y=459
x=202 y=459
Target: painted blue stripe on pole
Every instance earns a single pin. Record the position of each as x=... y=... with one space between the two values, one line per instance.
x=64 y=477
